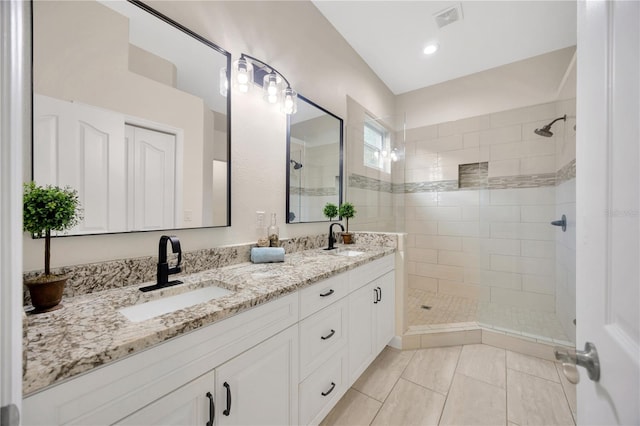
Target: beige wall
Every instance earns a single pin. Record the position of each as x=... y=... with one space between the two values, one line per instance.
x=537 y=80
x=296 y=39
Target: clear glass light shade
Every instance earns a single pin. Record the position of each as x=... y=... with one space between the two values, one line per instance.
x=242 y=75
x=271 y=88
x=289 y=101
x=224 y=82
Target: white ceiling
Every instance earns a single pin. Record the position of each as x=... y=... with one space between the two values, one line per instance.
x=390 y=36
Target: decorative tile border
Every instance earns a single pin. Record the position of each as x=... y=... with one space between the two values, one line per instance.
x=474 y=178
x=313 y=192
x=93 y=277
x=522 y=181
x=364 y=182
x=438 y=186
x=566 y=172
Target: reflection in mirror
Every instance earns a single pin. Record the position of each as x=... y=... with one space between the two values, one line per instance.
x=131 y=110
x=314 y=162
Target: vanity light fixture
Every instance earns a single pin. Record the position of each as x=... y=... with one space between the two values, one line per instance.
x=248 y=71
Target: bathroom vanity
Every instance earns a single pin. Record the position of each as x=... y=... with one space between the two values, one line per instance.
x=281 y=346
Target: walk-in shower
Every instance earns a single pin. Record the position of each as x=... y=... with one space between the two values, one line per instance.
x=483 y=252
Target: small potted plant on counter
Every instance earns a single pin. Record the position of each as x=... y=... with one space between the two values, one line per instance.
x=347 y=211
x=330 y=211
x=45 y=209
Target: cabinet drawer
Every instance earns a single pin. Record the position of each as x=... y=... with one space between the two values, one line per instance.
x=322 y=294
x=322 y=389
x=369 y=272
x=321 y=335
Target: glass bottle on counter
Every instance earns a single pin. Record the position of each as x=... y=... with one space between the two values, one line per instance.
x=274 y=232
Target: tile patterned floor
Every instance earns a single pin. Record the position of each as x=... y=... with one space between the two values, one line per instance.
x=458 y=385
x=452 y=311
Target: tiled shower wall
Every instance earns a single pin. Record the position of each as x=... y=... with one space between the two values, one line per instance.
x=493 y=243
x=566 y=204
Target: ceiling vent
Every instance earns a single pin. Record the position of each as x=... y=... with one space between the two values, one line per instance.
x=448 y=15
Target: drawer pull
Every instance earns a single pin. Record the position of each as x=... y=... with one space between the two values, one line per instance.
x=328 y=336
x=228 y=410
x=333 y=386
x=375 y=296
x=329 y=293
x=379 y=294
x=211 y=409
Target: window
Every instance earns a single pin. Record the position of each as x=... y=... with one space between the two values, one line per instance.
x=376 y=145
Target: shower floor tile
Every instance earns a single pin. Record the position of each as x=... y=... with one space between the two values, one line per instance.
x=429 y=310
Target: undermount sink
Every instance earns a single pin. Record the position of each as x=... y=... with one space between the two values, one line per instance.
x=148 y=310
x=347 y=252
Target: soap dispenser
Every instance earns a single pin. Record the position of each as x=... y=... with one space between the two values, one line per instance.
x=274 y=232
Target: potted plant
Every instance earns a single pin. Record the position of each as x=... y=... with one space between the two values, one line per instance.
x=330 y=211
x=347 y=211
x=45 y=209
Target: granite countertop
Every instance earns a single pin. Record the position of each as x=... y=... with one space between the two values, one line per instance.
x=90 y=332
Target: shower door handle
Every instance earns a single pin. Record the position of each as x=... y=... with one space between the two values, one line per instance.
x=571 y=358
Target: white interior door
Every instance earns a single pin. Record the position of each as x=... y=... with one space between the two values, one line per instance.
x=608 y=208
x=154 y=178
x=83 y=147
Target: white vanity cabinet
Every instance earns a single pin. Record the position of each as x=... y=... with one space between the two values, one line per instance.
x=355 y=309
x=284 y=362
x=191 y=404
x=371 y=315
x=174 y=375
x=258 y=386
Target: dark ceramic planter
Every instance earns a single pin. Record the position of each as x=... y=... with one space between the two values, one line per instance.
x=46 y=293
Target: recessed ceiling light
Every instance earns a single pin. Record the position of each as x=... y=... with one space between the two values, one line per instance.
x=431 y=48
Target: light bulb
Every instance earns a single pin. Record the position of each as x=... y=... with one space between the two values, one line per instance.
x=272 y=99
x=242 y=75
x=289 y=101
x=243 y=78
x=272 y=89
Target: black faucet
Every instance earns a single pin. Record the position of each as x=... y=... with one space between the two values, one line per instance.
x=332 y=240
x=163 y=267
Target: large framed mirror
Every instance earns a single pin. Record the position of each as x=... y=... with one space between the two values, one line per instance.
x=132 y=110
x=314 y=162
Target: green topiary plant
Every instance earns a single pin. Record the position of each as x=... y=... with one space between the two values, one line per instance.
x=47 y=209
x=330 y=211
x=347 y=211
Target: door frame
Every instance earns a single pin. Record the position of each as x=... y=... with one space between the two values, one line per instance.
x=15 y=129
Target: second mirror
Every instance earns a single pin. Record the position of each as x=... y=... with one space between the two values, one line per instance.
x=314 y=162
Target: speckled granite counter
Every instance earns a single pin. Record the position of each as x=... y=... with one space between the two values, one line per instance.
x=90 y=332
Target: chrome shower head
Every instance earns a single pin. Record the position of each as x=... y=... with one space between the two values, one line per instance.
x=546 y=130
x=296 y=165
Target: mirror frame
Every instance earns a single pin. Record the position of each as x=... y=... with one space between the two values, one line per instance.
x=288 y=168
x=197 y=37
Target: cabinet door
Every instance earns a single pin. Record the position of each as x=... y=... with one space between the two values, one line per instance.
x=385 y=310
x=259 y=387
x=361 y=326
x=187 y=405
